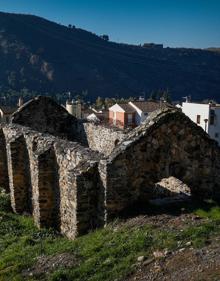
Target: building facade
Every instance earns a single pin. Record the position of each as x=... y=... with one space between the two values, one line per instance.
x=132 y=114
x=122 y=115
x=206 y=116
x=74 y=108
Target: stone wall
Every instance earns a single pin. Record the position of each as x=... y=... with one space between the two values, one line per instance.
x=99 y=137
x=55 y=180
x=168 y=144
x=4 y=181
x=75 y=188
x=44 y=115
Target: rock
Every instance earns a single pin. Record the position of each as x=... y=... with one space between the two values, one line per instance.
x=159 y=254
x=182 y=250
x=140 y=259
x=148 y=261
x=170 y=186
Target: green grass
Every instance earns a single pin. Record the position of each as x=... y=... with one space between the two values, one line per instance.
x=105 y=254
x=212 y=213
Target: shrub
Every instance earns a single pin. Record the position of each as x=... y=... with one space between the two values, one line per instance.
x=5 y=204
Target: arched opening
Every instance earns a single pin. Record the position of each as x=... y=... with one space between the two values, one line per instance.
x=20 y=180
x=176 y=170
x=172 y=147
x=49 y=190
x=4 y=181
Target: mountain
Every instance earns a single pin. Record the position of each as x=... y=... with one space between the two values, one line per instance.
x=44 y=56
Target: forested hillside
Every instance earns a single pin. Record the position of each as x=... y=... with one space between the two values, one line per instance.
x=43 y=56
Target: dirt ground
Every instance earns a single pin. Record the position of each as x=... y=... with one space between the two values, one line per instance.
x=185 y=264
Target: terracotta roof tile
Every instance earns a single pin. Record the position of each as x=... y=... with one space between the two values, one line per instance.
x=148 y=106
x=127 y=107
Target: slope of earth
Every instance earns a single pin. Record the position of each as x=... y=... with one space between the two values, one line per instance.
x=181 y=244
x=186 y=264
x=43 y=56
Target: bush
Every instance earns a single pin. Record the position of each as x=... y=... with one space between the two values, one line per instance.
x=5 y=203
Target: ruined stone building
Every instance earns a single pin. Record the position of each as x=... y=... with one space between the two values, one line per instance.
x=76 y=176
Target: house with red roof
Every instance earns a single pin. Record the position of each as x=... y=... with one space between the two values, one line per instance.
x=132 y=114
x=122 y=115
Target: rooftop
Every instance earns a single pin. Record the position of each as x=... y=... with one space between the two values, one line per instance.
x=148 y=106
x=127 y=107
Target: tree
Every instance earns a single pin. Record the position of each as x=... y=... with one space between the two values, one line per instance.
x=105 y=37
x=99 y=102
x=108 y=102
x=153 y=95
x=12 y=79
x=167 y=96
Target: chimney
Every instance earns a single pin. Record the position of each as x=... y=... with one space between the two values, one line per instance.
x=20 y=102
x=188 y=99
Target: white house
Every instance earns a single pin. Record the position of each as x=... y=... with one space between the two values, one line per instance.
x=74 y=108
x=93 y=117
x=206 y=116
x=144 y=108
x=132 y=114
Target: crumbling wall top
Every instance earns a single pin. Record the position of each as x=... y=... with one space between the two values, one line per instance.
x=44 y=115
x=157 y=119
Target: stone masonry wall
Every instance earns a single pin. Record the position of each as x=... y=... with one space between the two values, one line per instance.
x=4 y=181
x=44 y=115
x=75 y=188
x=168 y=144
x=99 y=137
x=47 y=178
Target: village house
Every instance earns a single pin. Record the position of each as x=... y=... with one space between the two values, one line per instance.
x=122 y=115
x=74 y=108
x=206 y=116
x=132 y=114
x=144 y=108
x=86 y=112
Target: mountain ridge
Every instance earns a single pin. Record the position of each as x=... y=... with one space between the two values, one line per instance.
x=44 y=56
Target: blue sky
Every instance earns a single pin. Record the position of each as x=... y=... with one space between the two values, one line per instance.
x=176 y=23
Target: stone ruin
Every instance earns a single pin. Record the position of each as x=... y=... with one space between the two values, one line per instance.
x=76 y=176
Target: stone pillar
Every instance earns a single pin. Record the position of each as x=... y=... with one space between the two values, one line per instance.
x=4 y=181
x=90 y=198
x=81 y=201
x=48 y=205
x=19 y=176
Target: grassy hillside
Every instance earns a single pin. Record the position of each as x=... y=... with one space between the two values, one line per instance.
x=47 y=57
x=117 y=252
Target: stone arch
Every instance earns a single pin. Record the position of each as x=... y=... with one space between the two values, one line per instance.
x=169 y=144
x=4 y=180
x=48 y=190
x=19 y=176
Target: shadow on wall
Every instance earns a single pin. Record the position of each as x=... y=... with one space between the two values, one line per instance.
x=49 y=190
x=169 y=145
x=4 y=179
x=20 y=185
x=81 y=135
x=169 y=192
x=44 y=115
